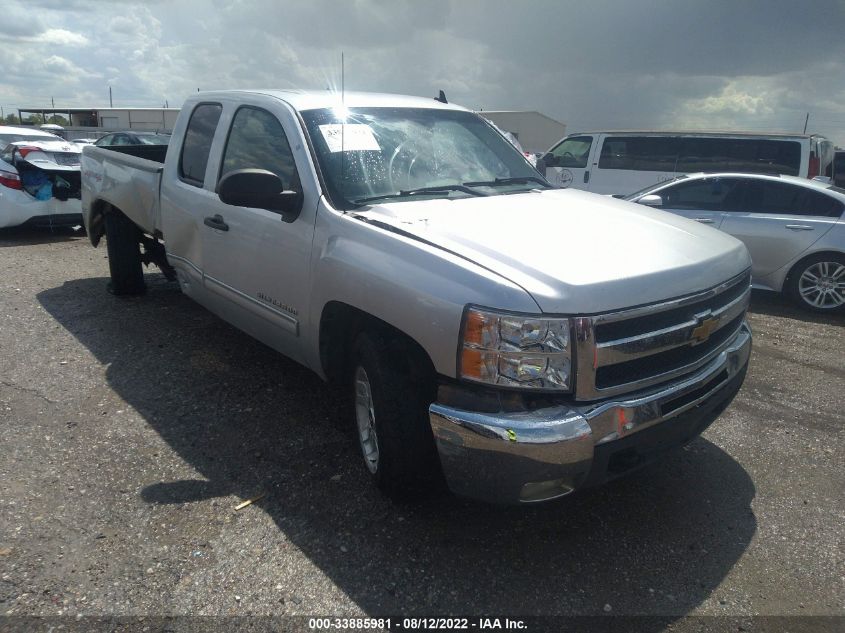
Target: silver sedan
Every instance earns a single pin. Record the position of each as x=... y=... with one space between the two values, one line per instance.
x=793 y=228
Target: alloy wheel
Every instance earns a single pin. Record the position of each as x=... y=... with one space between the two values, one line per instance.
x=822 y=285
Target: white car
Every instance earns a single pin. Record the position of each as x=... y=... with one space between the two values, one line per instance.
x=794 y=228
x=39 y=179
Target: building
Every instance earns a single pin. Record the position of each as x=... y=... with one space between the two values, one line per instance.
x=535 y=131
x=88 y=122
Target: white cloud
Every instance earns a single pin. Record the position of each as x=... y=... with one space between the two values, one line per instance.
x=733 y=101
x=63 y=37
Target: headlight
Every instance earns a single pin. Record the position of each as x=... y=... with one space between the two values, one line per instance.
x=515 y=351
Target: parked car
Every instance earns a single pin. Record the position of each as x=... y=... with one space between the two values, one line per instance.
x=793 y=228
x=520 y=340
x=11 y=133
x=40 y=183
x=133 y=137
x=84 y=141
x=624 y=162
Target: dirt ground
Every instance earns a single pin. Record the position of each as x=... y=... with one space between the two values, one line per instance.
x=133 y=427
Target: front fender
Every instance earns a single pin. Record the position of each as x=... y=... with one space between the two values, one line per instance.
x=416 y=287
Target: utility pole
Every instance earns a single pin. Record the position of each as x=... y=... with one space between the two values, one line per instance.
x=53 y=102
x=807 y=120
x=111 y=103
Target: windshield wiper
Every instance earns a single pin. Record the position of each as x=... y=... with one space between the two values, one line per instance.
x=516 y=180
x=407 y=193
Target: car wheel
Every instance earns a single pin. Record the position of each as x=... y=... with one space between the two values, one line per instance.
x=390 y=404
x=123 y=243
x=818 y=283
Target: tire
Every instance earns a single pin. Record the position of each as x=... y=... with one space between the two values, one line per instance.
x=123 y=243
x=391 y=390
x=818 y=283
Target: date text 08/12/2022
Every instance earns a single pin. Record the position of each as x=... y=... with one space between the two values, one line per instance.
x=414 y=624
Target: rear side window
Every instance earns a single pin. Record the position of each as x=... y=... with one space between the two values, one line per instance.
x=572 y=152
x=197 y=144
x=783 y=198
x=697 y=154
x=819 y=204
x=639 y=153
x=257 y=140
x=739 y=154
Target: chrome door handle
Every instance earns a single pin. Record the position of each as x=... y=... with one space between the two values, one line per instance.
x=799 y=227
x=704 y=220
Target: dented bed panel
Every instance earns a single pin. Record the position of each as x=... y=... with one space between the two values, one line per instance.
x=126 y=182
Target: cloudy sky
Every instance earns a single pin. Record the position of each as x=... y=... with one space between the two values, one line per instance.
x=733 y=64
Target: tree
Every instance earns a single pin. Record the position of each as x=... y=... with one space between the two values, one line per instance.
x=11 y=119
x=58 y=120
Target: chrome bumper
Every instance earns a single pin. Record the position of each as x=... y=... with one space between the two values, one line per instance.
x=538 y=455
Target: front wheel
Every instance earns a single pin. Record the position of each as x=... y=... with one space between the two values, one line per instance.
x=392 y=390
x=818 y=283
x=123 y=243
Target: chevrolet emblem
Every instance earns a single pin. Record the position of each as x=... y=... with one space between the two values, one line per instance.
x=704 y=329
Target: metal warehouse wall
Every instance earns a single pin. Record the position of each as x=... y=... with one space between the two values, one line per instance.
x=535 y=131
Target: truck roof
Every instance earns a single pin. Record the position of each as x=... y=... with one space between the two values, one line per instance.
x=313 y=99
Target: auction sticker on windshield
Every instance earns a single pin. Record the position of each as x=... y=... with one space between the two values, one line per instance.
x=349 y=137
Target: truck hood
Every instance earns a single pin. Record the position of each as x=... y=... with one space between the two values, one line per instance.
x=575 y=252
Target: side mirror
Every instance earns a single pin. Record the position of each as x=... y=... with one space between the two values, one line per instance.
x=651 y=200
x=550 y=160
x=259 y=189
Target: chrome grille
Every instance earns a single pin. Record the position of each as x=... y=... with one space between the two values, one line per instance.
x=638 y=348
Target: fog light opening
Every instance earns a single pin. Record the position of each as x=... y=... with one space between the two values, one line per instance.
x=545 y=490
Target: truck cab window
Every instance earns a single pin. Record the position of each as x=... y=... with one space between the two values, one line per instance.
x=197 y=144
x=258 y=141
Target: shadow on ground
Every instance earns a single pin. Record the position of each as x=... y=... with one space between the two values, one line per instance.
x=658 y=542
x=777 y=305
x=31 y=236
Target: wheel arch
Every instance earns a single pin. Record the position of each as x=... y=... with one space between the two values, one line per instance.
x=341 y=323
x=96 y=220
x=806 y=256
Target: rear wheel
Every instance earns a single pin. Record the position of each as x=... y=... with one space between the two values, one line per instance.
x=123 y=243
x=818 y=283
x=392 y=390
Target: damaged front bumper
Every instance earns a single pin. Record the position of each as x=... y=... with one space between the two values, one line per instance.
x=537 y=455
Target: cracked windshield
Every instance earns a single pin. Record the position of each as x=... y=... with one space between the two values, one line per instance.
x=396 y=154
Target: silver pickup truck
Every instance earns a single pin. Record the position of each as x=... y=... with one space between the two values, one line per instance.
x=517 y=340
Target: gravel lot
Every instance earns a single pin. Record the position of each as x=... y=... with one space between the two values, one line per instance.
x=131 y=428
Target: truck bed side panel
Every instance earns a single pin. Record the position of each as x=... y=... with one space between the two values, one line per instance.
x=127 y=182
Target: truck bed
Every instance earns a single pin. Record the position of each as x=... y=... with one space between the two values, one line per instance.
x=127 y=178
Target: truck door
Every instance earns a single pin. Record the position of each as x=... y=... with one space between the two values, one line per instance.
x=567 y=164
x=256 y=264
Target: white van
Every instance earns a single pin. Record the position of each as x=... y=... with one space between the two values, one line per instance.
x=624 y=162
